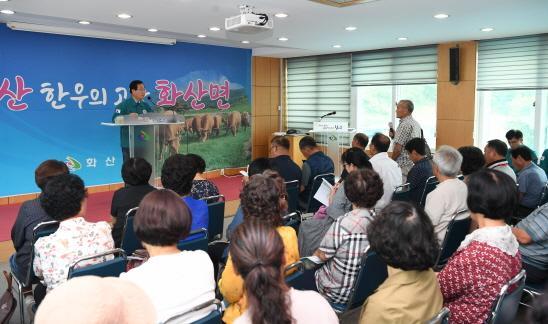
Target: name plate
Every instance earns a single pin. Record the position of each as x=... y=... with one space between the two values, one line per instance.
x=330 y=127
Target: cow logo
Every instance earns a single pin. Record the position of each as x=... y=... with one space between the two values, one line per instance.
x=144 y=136
x=73 y=164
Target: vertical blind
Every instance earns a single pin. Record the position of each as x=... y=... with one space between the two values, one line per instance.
x=513 y=63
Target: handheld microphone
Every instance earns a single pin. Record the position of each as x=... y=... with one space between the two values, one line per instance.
x=328 y=114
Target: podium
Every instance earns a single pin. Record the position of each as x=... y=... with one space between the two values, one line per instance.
x=333 y=138
x=153 y=137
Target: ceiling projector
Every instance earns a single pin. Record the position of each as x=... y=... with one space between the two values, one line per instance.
x=248 y=21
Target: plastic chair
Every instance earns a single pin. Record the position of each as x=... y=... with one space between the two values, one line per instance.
x=41 y=230
x=292 y=188
x=300 y=274
x=506 y=304
x=293 y=220
x=212 y=318
x=401 y=193
x=109 y=268
x=196 y=240
x=373 y=272
x=456 y=232
x=129 y=241
x=442 y=317
x=429 y=186
x=313 y=205
x=216 y=210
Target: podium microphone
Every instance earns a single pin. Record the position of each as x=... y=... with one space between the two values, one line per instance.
x=328 y=114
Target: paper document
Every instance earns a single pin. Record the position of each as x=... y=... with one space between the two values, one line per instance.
x=322 y=195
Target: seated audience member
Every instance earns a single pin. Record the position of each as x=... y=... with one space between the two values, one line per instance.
x=403 y=237
x=515 y=140
x=472 y=160
x=136 y=174
x=532 y=235
x=64 y=200
x=312 y=231
x=256 y=166
x=177 y=174
x=495 y=157
x=344 y=243
x=543 y=163
x=488 y=257
x=258 y=255
x=316 y=163
x=388 y=169
x=531 y=180
x=360 y=140
x=201 y=187
x=95 y=300
x=176 y=281
x=449 y=197
x=421 y=170
x=31 y=214
x=280 y=160
x=262 y=201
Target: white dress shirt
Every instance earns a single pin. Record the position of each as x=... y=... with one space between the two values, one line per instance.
x=390 y=174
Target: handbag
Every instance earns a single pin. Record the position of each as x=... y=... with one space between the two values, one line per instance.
x=7 y=301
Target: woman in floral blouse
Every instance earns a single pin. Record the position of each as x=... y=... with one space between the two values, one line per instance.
x=488 y=257
x=201 y=187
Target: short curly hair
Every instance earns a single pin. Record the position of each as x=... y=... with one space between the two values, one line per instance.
x=260 y=199
x=63 y=196
x=363 y=188
x=136 y=171
x=472 y=159
x=198 y=161
x=177 y=174
x=403 y=237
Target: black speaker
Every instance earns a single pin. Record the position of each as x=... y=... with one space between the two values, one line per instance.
x=454 y=65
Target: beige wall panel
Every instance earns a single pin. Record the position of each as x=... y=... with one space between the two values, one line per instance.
x=261 y=130
x=261 y=101
x=260 y=151
x=274 y=100
x=261 y=71
x=456 y=101
x=275 y=72
x=456 y=133
x=21 y=198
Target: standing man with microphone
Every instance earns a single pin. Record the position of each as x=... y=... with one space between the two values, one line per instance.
x=408 y=129
x=132 y=107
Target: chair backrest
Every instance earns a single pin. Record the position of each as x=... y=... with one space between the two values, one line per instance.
x=107 y=268
x=457 y=229
x=196 y=240
x=129 y=240
x=373 y=272
x=216 y=210
x=313 y=204
x=442 y=317
x=292 y=188
x=401 y=193
x=543 y=198
x=212 y=318
x=300 y=278
x=429 y=186
x=41 y=230
x=293 y=219
x=506 y=304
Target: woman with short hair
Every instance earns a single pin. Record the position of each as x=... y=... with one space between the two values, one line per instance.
x=201 y=187
x=176 y=281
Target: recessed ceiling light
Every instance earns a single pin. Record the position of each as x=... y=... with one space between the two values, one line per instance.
x=152 y=30
x=4 y=0
x=351 y=28
x=402 y=38
x=7 y=12
x=84 y=22
x=441 y=16
x=337 y=46
x=283 y=39
x=201 y=36
x=214 y=28
x=245 y=42
x=124 y=16
x=281 y=15
x=487 y=29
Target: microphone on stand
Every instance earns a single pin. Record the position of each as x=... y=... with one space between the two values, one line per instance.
x=328 y=114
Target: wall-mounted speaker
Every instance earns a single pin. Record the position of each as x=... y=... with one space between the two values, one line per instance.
x=454 y=64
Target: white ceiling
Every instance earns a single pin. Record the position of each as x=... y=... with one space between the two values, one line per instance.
x=312 y=28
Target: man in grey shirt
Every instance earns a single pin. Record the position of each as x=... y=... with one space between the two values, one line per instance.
x=408 y=129
x=531 y=180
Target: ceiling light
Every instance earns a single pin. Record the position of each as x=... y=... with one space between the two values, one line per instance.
x=4 y=0
x=487 y=29
x=351 y=28
x=283 y=39
x=441 y=16
x=281 y=15
x=201 y=36
x=245 y=42
x=402 y=38
x=89 y=33
x=7 y=12
x=124 y=16
x=84 y=22
x=152 y=30
x=214 y=28
x=337 y=46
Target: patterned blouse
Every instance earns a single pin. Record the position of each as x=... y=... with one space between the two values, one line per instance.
x=471 y=280
x=204 y=188
x=74 y=239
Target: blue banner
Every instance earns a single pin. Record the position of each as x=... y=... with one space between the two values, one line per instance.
x=56 y=90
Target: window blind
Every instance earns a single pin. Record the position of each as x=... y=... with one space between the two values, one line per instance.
x=315 y=86
x=411 y=65
x=513 y=63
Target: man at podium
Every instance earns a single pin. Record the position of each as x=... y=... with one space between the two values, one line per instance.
x=131 y=107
